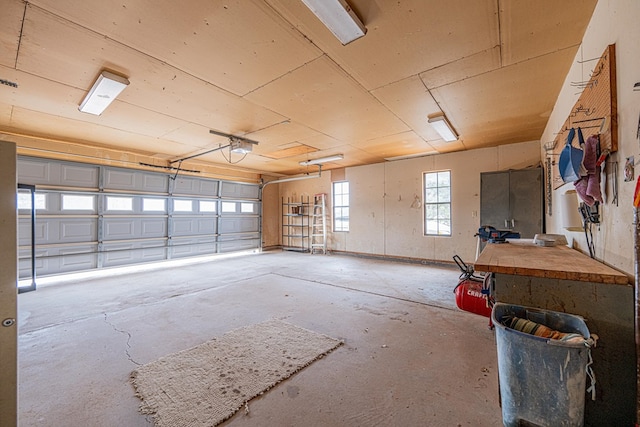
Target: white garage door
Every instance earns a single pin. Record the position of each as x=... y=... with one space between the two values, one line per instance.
x=90 y=216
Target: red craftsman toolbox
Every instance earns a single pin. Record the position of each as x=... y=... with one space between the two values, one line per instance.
x=473 y=293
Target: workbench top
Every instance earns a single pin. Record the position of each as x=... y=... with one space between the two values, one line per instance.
x=524 y=258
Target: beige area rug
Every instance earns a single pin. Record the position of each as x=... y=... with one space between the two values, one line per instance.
x=207 y=384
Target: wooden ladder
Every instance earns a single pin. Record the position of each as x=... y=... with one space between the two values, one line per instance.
x=319 y=224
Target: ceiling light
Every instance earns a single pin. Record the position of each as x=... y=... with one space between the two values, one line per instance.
x=443 y=127
x=411 y=156
x=322 y=160
x=104 y=91
x=339 y=18
x=241 y=146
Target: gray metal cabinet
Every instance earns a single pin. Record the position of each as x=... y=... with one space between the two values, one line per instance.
x=513 y=200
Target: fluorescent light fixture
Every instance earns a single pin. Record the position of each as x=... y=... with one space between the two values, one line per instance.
x=410 y=156
x=104 y=91
x=339 y=18
x=443 y=127
x=322 y=160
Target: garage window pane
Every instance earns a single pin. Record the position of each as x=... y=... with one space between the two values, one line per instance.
x=72 y=202
x=153 y=205
x=246 y=207
x=207 y=206
x=119 y=203
x=24 y=201
x=228 y=207
x=183 y=205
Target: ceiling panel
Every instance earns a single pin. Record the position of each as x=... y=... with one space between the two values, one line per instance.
x=75 y=131
x=10 y=23
x=280 y=136
x=399 y=43
x=486 y=109
x=530 y=28
x=410 y=101
x=402 y=144
x=463 y=68
x=320 y=95
x=155 y=86
x=239 y=44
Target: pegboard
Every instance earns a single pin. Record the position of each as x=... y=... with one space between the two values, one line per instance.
x=595 y=112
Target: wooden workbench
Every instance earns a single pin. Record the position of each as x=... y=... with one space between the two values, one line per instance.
x=562 y=279
x=523 y=258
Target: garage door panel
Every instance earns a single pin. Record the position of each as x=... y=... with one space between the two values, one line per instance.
x=55 y=173
x=24 y=262
x=24 y=268
x=184 y=226
x=206 y=225
x=238 y=242
x=185 y=247
x=123 y=253
x=66 y=230
x=64 y=260
x=34 y=172
x=118 y=229
x=73 y=258
x=133 y=228
x=153 y=227
x=77 y=230
x=239 y=190
x=196 y=186
x=24 y=231
x=123 y=179
x=79 y=176
x=238 y=224
x=155 y=183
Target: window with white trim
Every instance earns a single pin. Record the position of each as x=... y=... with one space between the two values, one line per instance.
x=154 y=205
x=182 y=205
x=207 y=206
x=72 y=202
x=341 y=206
x=119 y=203
x=437 y=203
x=228 y=207
x=247 y=207
x=24 y=201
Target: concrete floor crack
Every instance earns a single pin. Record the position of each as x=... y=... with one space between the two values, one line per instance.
x=128 y=340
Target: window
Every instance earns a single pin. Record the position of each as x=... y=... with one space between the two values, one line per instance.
x=341 y=206
x=183 y=205
x=246 y=207
x=437 y=203
x=24 y=201
x=228 y=206
x=153 y=205
x=119 y=203
x=207 y=206
x=77 y=203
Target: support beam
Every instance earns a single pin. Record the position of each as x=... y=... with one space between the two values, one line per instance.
x=8 y=286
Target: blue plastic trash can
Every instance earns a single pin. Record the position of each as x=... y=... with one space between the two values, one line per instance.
x=542 y=381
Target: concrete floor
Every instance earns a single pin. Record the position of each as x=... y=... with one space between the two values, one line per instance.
x=410 y=358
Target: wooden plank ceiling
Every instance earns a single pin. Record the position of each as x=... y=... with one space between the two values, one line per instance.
x=270 y=71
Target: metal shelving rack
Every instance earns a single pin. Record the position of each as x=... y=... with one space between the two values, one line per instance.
x=295 y=224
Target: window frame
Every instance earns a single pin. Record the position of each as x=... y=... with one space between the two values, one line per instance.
x=426 y=204
x=338 y=205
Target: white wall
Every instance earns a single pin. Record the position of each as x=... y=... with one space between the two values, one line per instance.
x=386 y=215
x=613 y=22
